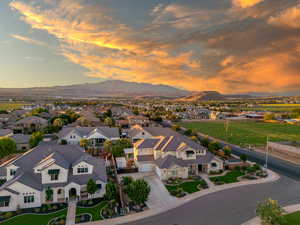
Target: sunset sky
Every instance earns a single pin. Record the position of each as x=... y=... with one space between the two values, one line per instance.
x=232 y=46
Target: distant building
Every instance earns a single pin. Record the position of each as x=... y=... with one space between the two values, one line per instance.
x=30 y=124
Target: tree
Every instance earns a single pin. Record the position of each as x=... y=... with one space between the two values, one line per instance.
x=127 y=180
x=227 y=151
x=214 y=146
x=58 y=122
x=35 y=139
x=205 y=142
x=108 y=121
x=138 y=191
x=116 y=148
x=269 y=116
x=7 y=146
x=270 y=212
x=91 y=187
x=84 y=143
x=243 y=157
x=83 y=121
x=188 y=132
x=111 y=191
x=49 y=194
x=176 y=127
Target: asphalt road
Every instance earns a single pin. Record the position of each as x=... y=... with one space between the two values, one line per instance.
x=229 y=207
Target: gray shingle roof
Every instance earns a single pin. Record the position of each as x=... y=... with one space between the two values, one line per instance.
x=145 y=158
x=20 y=138
x=109 y=132
x=4 y=132
x=149 y=143
x=32 y=119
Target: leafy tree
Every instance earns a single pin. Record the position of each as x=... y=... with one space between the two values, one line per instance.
x=84 y=143
x=49 y=194
x=243 y=157
x=111 y=191
x=271 y=213
x=227 y=151
x=205 y=142
x=127 y=180
x=116 y=148
x=108 y=113
x=58 y=122
x=37 y=111
x=138 y=191
x=51 y=129
x=91 y=187
x=83 y=121
x=108 y=121
x=188 y=132
x=7 y=146
x=214 y=146
x=176 y=127
x=35 y=139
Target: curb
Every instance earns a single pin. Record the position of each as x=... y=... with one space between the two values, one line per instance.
x=182 y=201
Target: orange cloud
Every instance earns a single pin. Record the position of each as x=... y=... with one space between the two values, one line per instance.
x=288 y=18
x=245 y=3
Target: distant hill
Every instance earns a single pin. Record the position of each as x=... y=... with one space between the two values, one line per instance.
x=212 y=95
x=114 y=88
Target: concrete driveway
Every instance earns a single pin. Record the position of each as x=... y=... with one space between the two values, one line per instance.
x=159 y=195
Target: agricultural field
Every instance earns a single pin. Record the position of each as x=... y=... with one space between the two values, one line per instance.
x=11 y=106
x=273 y=107
x=245 y=133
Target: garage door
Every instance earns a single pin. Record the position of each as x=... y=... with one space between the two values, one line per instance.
x=147 y=167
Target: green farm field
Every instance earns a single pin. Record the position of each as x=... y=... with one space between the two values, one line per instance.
x=245 y=133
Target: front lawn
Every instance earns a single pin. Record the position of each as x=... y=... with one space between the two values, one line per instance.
x=293 y=218
x=30 y=219
x=230 y=177
x=189 y=187
x=94 y=211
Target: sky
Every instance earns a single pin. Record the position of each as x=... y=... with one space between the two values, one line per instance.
x=231 y=46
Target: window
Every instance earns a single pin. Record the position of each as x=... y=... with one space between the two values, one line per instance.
x=82 y=170
x=99 y=186
x=53 y=174
x=214 y=164
x=13 y=172
x=29 y=199
x=4 y=201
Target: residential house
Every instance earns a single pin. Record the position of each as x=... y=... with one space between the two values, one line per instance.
x=21 y=140
x=65 y=169
x=96 y=135
x=30 y=124
x=138 y=120
x=5 y=132
x=170 y=154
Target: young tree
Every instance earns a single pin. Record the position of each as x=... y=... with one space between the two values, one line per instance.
x=188 y=132
x=35 y=139
x=214 y=146
x=227 y=151
x=49 y=194
x=176 y=127
x=270 y=212
x=111 y=191
x=7 y=146
x=205 y=142
x=84 y=143
x=243 y=157
x=91 y=187
x=58 y=122
x=108 y=121
x=138 y=191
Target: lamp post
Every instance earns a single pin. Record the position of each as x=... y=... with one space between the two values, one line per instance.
x=267 y=153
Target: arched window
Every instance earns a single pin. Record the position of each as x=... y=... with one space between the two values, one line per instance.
x=59 y=191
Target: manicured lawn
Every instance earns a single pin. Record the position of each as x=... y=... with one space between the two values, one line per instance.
x=189 y=187
x=246 y=132
x=94 y=211
x=230 y=177
x=293 y=218
x=31 y=219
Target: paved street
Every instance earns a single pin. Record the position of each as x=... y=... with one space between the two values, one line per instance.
x=229 y=207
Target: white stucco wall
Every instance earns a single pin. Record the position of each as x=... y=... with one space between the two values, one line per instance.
x=62 y=177
x=83 y=165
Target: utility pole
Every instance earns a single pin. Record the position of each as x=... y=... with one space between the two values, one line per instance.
x=267 y=153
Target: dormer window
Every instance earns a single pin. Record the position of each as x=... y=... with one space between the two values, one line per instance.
x=82 y=170
x=190 y=153
x=53 y=174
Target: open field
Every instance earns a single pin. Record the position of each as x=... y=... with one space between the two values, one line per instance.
x=271 y=108
x=245 y=133
x=11 y=106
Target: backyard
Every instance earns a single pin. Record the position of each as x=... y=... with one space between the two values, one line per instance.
x=246 y=133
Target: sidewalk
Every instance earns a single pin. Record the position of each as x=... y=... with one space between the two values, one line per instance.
x=179 y=202
x=71 y=213
x=289 y=209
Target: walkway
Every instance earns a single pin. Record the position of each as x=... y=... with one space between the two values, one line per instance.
x=205 y=177
x=71 y=213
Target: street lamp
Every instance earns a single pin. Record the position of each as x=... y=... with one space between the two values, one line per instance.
x=267 y=153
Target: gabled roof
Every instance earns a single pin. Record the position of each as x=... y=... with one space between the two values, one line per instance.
x=109 y=132
x=32 y=119
x=5 y=132
x=20 y=138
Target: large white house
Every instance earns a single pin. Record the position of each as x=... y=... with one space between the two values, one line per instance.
x=96 y=135
x=65 y=169
x=171 y=154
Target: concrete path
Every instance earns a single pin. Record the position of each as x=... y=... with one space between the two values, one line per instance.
x=288 y=209
x=208 y=181
x=71 y=213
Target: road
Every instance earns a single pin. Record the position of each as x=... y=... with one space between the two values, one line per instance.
x=229 y=207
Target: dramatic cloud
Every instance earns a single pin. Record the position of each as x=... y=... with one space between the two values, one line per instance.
x=233 y=46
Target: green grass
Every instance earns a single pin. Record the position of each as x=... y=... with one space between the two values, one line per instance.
x=11 y=106
x=230 y=177
x=189 y=187
x=30 y=219
x=272 y=108
x=94 y=211
x=293 y=218
x=246 y=132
